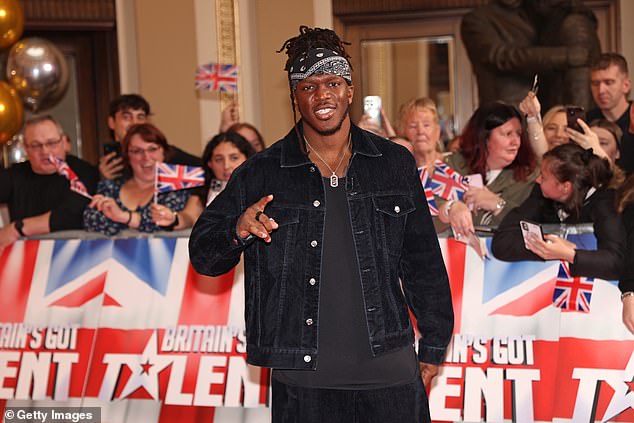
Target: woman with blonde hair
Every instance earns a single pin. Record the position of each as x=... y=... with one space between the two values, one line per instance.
x=551 y=131
x=419 y=122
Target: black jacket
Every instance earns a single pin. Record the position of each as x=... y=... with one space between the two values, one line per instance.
x=393 y=234
x=626 y=283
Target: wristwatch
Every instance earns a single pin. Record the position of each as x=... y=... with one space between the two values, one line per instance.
x=19 y=224
x=172 y=225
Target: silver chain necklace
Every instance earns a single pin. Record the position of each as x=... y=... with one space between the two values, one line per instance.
x=334 y=179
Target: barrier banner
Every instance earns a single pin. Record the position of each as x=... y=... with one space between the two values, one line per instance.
x=517 y=357
x=127 y=325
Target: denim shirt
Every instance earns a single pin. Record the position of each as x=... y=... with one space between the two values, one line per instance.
x=393 y=234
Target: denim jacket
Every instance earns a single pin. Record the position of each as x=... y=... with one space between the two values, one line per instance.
x=393 y=234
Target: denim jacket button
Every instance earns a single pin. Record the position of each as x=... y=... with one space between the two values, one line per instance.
x=309 y=322
x=312 y=281
x=313 y=243
x=397 y=209
x=316 y=203
x=307 y=358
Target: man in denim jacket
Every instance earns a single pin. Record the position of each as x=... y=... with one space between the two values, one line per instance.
x=338 y=242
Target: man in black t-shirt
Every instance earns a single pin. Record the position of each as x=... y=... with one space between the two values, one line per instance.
x=338 y=242
x=125 y=111
x=40 y=200
x=610 y=86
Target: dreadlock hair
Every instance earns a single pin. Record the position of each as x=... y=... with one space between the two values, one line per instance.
x=308 y=39
x=311 y=38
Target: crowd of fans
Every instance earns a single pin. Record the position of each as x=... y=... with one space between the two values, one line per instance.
x=539 y=168
x=521 y=165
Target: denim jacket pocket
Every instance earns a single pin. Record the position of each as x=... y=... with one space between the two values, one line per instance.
x=391 y=216
x=283 y=239
x=270 y=297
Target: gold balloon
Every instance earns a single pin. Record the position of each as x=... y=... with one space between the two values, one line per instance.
x=11 y=112
x=11 y=22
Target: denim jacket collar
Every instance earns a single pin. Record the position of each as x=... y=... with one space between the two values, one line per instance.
x=292 y=155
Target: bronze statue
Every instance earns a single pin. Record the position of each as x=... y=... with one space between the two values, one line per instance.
x=507 y=49
x=570 y=24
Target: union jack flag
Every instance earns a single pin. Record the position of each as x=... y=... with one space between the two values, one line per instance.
x=572 y=293
x=172 y=177
x=447 y=183
x=429 y=195
x=75 y=183
x=217 y=77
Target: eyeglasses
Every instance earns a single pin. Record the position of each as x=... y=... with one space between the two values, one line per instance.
x=138 y=152
x=38 y=146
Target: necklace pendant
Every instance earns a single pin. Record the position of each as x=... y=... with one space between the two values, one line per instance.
x=334 y=181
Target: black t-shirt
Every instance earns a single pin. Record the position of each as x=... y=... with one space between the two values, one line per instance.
x=345 y=359
x=29 y=194
x=623 y=121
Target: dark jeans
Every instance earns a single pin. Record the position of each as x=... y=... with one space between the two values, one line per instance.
x=398 y=404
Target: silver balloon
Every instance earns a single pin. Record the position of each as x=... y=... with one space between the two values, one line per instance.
x=38 y=71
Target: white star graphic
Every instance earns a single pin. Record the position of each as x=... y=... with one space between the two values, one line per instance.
x=623 y=397
x=141 y=376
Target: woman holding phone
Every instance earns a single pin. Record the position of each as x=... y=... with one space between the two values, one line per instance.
x=573 y=188
x=560 y=125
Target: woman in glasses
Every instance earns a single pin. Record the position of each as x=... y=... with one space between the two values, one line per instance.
x=128 y=202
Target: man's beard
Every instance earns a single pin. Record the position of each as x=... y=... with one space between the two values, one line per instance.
x=335 y=129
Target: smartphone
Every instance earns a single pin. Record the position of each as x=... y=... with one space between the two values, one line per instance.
x=112 y=147
x=572 y=114
x=531 y=228
x=475 y=180
x=372 y=107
